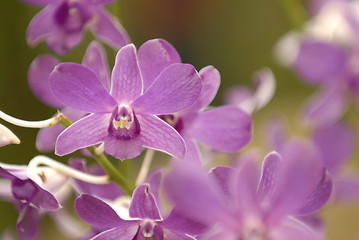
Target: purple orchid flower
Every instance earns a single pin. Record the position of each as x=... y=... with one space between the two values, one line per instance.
x=145 y=220
x=38 y=77
x=246 y=203
x=336 y=145
x=62 y=24
x=224 y=128
x=325 y=54
x=124 y=119
x=33 y=191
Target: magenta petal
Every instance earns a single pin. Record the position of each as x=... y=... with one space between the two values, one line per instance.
x=176 y=88
x=269 y=177
x=320 y=196
x=180 y=223
x=86 y=132
x=176 y=236
x=299 y=175
x=96 y=60
x=321 y=62
x=337 y=145
x=123 y=149
x=96 y=212
x=38 y=77
x=143 y=204
x=223 y=177
x=126 y=76
x=157 y=134
x=154 y=56
x=109 y=30
x=346 y=188
x=195 y=194
x=193 y=152
x=246 y=186
x=62 y=42
x=225 y=128
x=326 y=107
x=118 y=233
x=293 y=229
x=41 y=26
x=78 y=87
x=211 y=80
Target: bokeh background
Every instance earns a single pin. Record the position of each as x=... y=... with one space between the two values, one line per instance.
x=235 y=36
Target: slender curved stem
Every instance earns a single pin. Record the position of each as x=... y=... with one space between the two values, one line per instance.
x=32 y=124
x=145 y=168
x=68 y=171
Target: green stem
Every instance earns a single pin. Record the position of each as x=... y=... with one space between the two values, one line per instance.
x=114 y=175
x=295 y=12
x=105 y=163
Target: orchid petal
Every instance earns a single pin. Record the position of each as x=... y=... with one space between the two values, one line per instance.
x=193 y=153
x=320 y=62
x=298 y=177
x=86 y=132
x=41 y=26
x=62 y=42
x=7 y=136
x=346 y=188
x=123 y=149
x=118 y=233
x=38 y=77
x=188 y=179
x=97 y=213
x=153 y=57
x=247 y=179
x=126 y=76
x=295 y=230
x=109 y=30
x=316 y=199
x=78 y=87
x=143 y=204
x=326 y=107
x=157 y=134
x=269 y=177
x=182 y=224
x=225 y=128
x=176 y=88
x=336 y=144
x=223 y=176
x=171 y=235
x=95 y=59
x=211 y=80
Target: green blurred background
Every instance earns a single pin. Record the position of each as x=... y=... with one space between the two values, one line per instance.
x=235 y=36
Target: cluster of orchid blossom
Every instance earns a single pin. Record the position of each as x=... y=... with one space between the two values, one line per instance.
x=153 y=101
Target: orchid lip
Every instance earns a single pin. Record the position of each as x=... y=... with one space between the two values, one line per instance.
x=124 y=124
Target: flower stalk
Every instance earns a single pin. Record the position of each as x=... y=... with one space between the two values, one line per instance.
x=145 y=168
x=33 y=124
x=66 y=170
